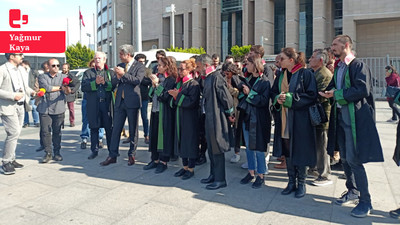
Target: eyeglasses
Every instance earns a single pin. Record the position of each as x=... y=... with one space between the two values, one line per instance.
x=141 y=61
x=54 y=65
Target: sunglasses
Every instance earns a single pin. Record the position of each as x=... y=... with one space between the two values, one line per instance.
x=54 y=65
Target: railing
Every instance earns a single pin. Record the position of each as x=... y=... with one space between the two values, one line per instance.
x=377 y=66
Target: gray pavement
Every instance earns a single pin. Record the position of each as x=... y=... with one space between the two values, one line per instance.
x=79 y=191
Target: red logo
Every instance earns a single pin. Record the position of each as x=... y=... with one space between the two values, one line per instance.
x=15 y=16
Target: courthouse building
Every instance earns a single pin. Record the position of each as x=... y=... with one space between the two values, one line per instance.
x=217 y=25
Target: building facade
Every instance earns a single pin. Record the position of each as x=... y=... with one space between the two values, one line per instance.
x=217 y=25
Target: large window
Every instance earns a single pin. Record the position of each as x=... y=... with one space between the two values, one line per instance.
x=99 y=23
x=280 y=25
x=231 y=21
x=306 y=27
x=338 y=16
x=104 y=17
x=103 y=3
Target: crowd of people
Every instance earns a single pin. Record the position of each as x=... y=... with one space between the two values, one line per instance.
x=202 y=105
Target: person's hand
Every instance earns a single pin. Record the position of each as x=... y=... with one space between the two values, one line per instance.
x=119 y=71
x=98 y=79
x=33 y=93
x=327 y=94
x=102 y=81
x=246 y=90
x=66 y=90
x=18 y=96
x=154 y=80
x=282 y=98
x=173 y=92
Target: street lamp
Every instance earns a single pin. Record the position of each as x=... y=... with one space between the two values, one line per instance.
x=171 y=9
x=87 y=34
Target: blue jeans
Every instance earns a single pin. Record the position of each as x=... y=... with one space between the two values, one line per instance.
x=35 y=114
x=254 y=158
x=356 y=177
x=145 y=120
x=85 y=131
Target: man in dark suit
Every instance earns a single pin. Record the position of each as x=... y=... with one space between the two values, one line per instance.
x=127 y=103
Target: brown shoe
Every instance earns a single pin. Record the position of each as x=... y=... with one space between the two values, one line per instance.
x=146 y=140
x=131 y=160
x=108 y=161
x=281 y=166
x=281 y=158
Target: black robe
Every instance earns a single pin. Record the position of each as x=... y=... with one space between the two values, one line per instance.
x=218 y=105
x=301 y=133
x=368 y=145
x=167 y=117
x=187 y=120
x=89 y=86
x=256 y=114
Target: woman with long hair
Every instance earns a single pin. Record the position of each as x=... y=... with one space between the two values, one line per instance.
x=392 y=79
x=293 y=92
x=162 y=119
x=187 y=99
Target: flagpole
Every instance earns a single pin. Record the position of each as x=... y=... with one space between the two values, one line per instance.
x=94 y=34
x=80 y=26
x=67 y=34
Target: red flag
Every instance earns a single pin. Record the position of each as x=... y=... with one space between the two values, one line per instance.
x=81 y=18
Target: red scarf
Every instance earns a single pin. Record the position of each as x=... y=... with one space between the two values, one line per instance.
x=296 y=68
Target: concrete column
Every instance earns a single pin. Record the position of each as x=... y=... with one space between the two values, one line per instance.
x=320 y=25
x=233 y=29
x=198 y=28
x=213 y=26
x=292 y=23
x=264 y=25
x=349 y=26
x=245 y=21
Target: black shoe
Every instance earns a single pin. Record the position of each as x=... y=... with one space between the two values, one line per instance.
x=46 y=158
x=41 y=148
x=17 y=165
x=300 y=191
x=8 y=168
x=348 y=197
x=201 y=160
x=101 y=145
x=161 y=167
x=216 y=185
x=246 y=179
x=291 y=186
x=362 y=210
x=395 y=213
x=37 y=124
x=93 y=155
x=25 y=125
x=58 y=157
x=150 y=165
x=83 y=145
x=258 y=183
x=207 y=180
x=187 y=175
x=180 y=173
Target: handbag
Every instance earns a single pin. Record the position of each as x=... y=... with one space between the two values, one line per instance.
x=317 y=114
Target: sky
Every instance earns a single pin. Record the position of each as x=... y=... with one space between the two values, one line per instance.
x=52 y=15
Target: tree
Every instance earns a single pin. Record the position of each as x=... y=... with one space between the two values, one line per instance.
x=239 y=52
x=78 y=56
x=192 y=50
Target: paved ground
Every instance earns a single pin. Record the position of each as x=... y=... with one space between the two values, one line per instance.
x=79 y=191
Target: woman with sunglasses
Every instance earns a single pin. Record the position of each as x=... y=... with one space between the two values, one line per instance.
x=186 y=100
x=293 y=92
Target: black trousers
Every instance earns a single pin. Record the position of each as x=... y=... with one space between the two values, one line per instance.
x=120 y=115
x=50 y=126
x=202 y=136
x=395 y=109
x=154 y=120
x=106 y=122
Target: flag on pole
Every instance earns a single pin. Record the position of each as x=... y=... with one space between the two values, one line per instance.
x=81 y=18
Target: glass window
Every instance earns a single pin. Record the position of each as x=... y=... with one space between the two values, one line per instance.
x=228 y=8
x=110 y=13
x=98 y=6
x=110 y=30
x=338 y=17
x=103 y=3
x=104 y=17
x=104 y=48
x=305 y=27
x=280 y=26
x=104 y=33
x=99 y=23
x=99 y=35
